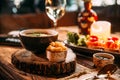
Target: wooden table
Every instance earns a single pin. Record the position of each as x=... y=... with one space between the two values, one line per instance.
x=8 y=67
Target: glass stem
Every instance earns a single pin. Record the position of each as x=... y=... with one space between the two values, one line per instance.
x=55 y=24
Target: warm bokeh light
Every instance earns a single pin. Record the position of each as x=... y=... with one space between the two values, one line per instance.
x=102 y=29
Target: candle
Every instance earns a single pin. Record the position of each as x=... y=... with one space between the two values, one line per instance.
x=102 y=29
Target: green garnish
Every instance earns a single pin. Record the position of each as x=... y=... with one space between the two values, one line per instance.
x=76 y=38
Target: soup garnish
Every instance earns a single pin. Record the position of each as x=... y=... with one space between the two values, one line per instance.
x=37 y=34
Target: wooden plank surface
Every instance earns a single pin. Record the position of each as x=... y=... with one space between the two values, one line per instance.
x=84 y=63
x=8 y=68
x=5 y=62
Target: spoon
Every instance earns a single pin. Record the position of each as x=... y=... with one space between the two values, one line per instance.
x=106 y=72
x=103 y=74
x=108 y=69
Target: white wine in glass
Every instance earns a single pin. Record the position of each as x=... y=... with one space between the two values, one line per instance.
x=55 y=9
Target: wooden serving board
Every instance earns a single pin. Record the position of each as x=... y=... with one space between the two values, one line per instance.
x=39 y=64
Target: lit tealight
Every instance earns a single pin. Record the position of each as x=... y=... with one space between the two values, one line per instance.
x=102 y=29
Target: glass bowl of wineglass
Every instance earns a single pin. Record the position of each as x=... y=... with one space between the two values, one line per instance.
x=55 y=9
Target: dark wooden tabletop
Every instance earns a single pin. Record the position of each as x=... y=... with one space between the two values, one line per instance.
x=9 y=71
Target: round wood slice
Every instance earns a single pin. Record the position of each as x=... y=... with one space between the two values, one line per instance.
x=39 y=64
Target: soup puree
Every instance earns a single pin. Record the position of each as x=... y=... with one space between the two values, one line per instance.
x=37 y=34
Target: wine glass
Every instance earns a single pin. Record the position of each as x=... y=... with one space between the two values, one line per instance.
x=55 y=9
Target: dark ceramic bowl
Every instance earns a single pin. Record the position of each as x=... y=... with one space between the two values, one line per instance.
x=37 y=40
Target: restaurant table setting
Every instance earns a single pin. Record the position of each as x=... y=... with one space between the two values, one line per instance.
x=84 y=68
x=61 y=53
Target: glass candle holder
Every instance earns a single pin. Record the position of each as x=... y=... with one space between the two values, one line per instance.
x=102 y=29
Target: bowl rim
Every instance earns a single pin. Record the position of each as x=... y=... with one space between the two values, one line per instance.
x=49 y=31
x=103 y=54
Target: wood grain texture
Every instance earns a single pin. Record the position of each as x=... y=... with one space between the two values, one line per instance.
x=39 y=64
x=84 y=63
